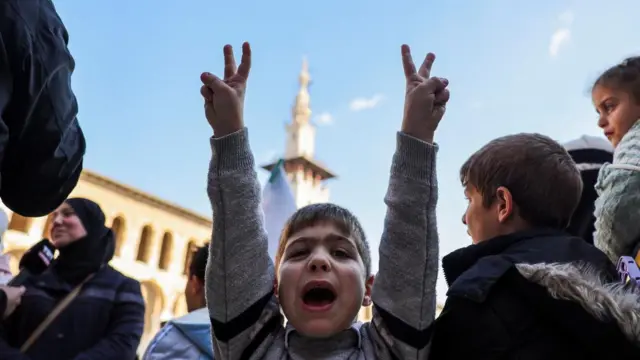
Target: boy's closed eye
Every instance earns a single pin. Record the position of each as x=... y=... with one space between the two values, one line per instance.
x=340 y=253
x=296 y=254
x=302 y=253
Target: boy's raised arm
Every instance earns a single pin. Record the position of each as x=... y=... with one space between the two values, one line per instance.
x=404 y=290
x=240 y=274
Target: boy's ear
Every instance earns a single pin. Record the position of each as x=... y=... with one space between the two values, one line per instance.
x=368 y=285
x=505 y=204
x=275 y=287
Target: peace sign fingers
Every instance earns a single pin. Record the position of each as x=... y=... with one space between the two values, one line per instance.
x=230 y=68
x=410 y=68
x=425 y=98
x=224 y=98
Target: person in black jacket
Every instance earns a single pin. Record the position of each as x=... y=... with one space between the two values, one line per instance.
x=41 y=143
x=526 y=289
x=104 y=322
x=589 y=153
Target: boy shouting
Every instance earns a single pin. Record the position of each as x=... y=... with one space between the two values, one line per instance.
x=322 y=274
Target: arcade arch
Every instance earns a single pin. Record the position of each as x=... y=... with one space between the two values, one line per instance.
x=145 y=244
x=166 y=248
x=154 y=303
x=118 y=228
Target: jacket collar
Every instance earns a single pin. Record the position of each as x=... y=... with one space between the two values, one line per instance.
x=472 y=271
x=459 y=261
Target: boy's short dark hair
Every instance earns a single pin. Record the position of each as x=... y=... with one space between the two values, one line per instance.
x=314 y=214
x=541 y=176
x=199 y=262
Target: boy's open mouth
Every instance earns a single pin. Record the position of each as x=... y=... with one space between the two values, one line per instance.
x=318 y=295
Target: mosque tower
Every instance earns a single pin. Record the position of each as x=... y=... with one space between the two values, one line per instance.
x=306 y=175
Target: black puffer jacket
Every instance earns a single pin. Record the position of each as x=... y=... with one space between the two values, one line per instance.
x=41 y=143
x=536 y=295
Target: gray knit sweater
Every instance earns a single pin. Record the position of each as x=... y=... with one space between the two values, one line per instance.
x=245 y=315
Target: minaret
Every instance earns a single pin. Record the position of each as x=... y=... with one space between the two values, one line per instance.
x=301 y=133
x=306 y=175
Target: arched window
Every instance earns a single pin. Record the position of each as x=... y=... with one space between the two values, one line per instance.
x=190 y=250
x=144 y=246
x=20 y=223
x=118 y=228
x=154 y=303
x=165 y=251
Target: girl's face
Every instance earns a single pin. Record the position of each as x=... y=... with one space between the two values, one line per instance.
x=66 y=226
x=618 y=111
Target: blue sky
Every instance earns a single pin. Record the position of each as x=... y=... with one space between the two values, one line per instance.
x=138 y=66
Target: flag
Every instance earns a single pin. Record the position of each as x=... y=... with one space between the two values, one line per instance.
x=278 y=204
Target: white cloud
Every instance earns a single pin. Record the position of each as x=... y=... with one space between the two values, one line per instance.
x=324 y=119
x=562 y=35
x=559 y=38
x=362 y=103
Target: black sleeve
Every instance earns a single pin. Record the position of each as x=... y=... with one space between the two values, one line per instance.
x=41 y=142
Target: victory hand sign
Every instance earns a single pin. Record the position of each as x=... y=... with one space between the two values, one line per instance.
x=224 y=98
x=425 y=100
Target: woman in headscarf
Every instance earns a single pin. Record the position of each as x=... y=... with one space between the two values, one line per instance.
x=105 y=321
